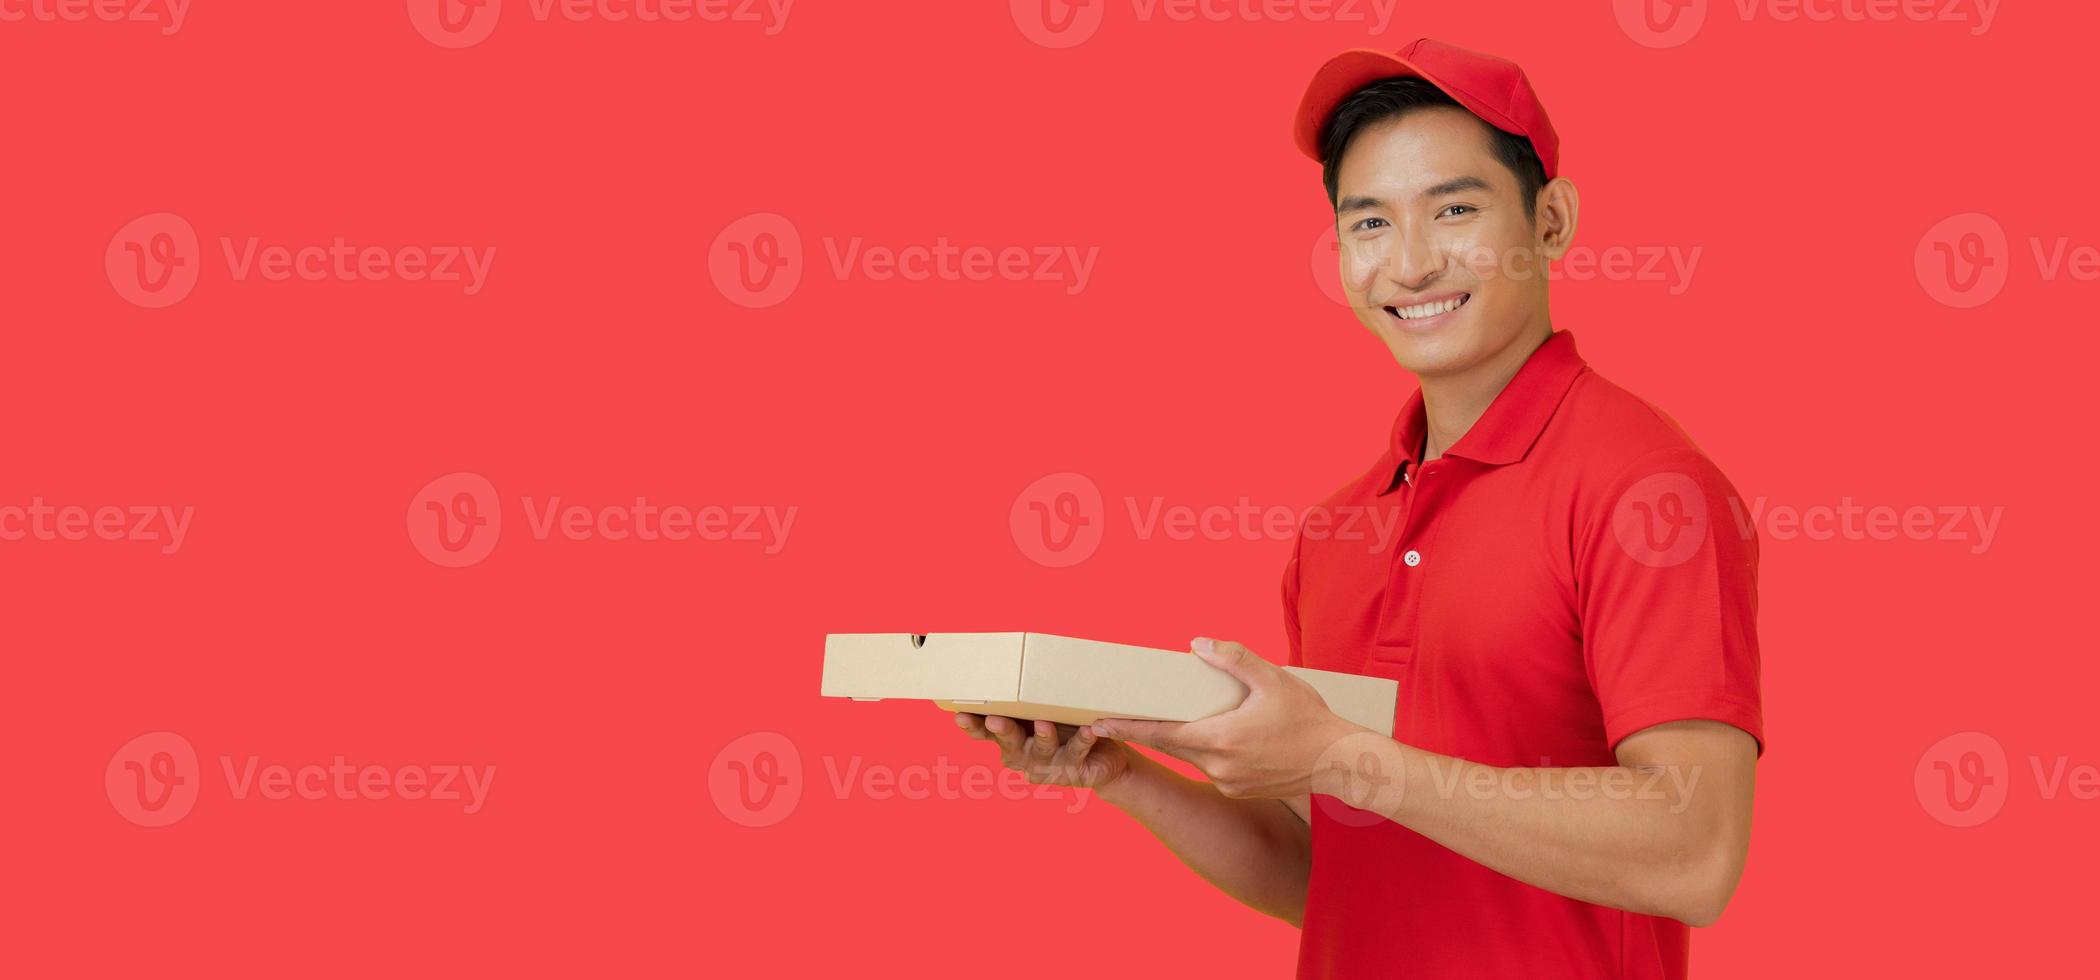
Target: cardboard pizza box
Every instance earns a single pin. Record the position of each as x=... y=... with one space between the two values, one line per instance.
x=1065 y=680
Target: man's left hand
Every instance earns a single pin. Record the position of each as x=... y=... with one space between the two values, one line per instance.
x=1265 y=748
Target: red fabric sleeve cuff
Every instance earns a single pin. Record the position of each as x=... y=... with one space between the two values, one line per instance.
x=1659 y=709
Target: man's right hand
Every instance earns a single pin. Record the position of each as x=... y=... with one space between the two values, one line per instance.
x=1052 y=755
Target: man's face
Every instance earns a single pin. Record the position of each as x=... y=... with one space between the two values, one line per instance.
x=1438 y=257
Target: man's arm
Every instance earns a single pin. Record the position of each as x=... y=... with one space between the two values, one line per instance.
x=1664 y=833
x=1257 y=851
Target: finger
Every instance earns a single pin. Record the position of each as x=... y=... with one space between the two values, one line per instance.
x=1007 y=732
x=1073 y=754
x=971 y=724
x=1234 y=659
x=1161 y=735
x=1042 y=747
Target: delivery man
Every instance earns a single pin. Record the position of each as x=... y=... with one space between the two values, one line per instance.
x=1569 y=606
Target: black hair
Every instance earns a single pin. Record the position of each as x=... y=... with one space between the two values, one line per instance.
x=1392 y=98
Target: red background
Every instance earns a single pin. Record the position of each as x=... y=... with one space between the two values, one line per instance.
x=1200 y=365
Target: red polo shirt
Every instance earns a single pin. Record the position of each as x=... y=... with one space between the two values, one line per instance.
x=1571 y=572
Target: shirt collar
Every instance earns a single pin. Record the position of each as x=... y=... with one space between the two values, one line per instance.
x=1512 y=422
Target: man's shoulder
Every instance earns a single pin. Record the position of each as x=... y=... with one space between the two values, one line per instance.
x=1612 y=438
x=1613 y=427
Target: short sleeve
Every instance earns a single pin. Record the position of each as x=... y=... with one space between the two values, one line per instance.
x=1290 y=605
x=1666 y=578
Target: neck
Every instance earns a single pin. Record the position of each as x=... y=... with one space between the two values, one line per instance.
x=1452 y=403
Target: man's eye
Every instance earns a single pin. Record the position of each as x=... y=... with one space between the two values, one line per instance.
x=1368 y=223
x=1458 y=209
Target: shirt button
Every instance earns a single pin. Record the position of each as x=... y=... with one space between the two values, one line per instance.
x=1412 y=558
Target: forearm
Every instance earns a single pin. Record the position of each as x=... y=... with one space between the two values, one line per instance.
x=1258 y=851
x=1641 y=839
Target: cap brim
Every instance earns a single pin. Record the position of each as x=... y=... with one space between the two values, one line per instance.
x=1344 y=73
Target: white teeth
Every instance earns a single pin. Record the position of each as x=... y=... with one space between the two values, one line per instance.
x=1429 y=309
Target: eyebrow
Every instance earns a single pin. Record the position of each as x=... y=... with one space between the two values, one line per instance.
x=1453 y=186
x=1358 y=202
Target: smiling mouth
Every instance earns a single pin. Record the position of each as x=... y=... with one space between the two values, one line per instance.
x=1423 y=311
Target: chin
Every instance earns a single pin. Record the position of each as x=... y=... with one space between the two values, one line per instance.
x=1446 y=352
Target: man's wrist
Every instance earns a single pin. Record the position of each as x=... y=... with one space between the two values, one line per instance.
x=1365 y=770
x=1123 y=790
x=1336 y=742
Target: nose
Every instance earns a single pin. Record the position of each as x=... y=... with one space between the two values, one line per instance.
x=1412 y=262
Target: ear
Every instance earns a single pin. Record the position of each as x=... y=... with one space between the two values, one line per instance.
x=1554 y=217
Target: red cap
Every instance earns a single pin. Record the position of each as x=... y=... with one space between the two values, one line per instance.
x=1489 y=87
